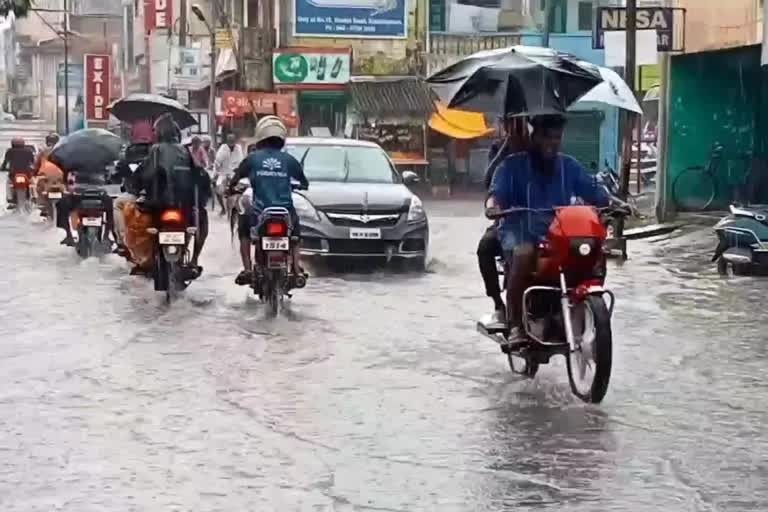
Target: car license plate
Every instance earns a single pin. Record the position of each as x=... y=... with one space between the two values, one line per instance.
x=275 y=244
x=171 y=238
x=54 y=195
x=365 y=233
x=91 y=221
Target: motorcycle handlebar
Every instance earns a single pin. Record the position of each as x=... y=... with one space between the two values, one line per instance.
x=494 y=214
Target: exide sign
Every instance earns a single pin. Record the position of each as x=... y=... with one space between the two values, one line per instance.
x=98 y=85
x=158 y=14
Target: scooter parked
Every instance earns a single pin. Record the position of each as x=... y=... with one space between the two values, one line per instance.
x=742 y=247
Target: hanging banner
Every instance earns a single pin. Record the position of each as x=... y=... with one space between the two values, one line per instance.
x=351 y=18
x=98 y=85
x=187 y=70
x=158 y=14
x=75 y=86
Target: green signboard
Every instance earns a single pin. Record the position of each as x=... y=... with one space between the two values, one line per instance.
x=308 y=68
x=437 y=15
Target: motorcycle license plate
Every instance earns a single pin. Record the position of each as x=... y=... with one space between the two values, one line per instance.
x=171 y=238
x=275 y=244
x=365 y=233
x=54 y=195
x=91 y=221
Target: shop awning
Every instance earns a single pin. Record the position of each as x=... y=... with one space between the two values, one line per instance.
x=459 y=124
x=387 y=97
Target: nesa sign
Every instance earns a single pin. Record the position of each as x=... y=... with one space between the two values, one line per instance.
x=660 y=19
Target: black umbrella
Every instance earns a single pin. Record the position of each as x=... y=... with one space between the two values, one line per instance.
x=87 y=152
x=519 y=80
x=141 y=106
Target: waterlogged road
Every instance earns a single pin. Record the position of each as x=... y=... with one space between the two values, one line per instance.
x=374 y=392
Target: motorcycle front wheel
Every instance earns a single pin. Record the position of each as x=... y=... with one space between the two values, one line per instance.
x=589 y=365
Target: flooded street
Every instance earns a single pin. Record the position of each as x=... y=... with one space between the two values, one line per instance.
x=373 y=392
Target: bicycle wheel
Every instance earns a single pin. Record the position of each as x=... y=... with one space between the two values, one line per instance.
x=694 y=190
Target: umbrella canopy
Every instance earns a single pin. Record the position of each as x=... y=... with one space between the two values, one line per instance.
x=519 y=80
x=459 y=124
x=141 y=106
x=87 y=151
x=613 y=91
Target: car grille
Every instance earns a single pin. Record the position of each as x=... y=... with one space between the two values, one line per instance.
x=364 y=221
x=359 y=246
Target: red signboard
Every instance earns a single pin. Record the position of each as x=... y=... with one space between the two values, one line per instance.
x=157 y=14
x=98 y=85
x=239 y=103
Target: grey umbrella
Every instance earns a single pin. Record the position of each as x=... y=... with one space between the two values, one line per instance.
x=519 y=80
x=141 y=106
x=87 y=152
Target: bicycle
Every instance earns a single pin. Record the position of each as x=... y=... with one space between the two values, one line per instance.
x=697 y=187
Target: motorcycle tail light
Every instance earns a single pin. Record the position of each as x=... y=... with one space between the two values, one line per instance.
x=20 y=179
x=274 y=228
x=172 y=216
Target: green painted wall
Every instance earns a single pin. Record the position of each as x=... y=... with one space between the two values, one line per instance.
x=714 y=98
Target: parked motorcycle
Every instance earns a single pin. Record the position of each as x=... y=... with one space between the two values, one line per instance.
x=742 y=247
x=173 y=271
x=91 y=222
x=274 y=273
x=565 y=312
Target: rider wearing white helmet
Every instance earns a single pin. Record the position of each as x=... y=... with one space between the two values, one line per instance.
x=270 y=171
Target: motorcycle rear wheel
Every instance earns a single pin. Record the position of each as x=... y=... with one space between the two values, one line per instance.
x=592 y=329
x=274 y=293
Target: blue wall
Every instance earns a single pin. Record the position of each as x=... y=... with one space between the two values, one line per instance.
x=580 y=45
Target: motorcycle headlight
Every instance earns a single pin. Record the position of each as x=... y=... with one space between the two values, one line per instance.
x=304 y=208
x=416 y=211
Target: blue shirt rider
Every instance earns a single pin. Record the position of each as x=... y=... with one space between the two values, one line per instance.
x=540 y=178
x=270 y=171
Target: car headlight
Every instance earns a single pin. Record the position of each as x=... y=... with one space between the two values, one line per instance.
x=304 y=208
x=416 y=211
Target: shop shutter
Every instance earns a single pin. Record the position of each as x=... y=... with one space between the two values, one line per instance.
x=582 y=136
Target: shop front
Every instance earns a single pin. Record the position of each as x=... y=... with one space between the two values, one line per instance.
x=319 y=77
x=392 y=112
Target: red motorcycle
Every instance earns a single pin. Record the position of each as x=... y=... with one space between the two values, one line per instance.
x=568 y=310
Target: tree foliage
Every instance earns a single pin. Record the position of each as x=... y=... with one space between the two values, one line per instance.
x=18 y=7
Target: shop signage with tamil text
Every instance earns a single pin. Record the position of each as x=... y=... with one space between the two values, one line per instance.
x=239 y=103
x=311 y=67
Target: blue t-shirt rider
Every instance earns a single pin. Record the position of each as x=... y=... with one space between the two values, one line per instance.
x=270 y=171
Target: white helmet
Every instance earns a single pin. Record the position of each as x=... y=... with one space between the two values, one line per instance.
x=270 y=126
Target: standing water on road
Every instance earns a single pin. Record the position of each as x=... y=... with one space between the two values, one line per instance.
x=374 y=392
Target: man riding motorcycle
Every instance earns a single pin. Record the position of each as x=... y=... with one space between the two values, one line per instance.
x=170 y=178
x=540 y=178
x=514 y=138
x=49 y=174
x=19 y=158
x=270 y=170
x=228 y=158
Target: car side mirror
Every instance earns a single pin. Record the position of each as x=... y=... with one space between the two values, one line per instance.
x=410 y=177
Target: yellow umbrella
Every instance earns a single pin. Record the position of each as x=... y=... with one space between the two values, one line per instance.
x=459 y=124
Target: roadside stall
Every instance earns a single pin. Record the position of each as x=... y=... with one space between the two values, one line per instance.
x=393 y=112
x=456 y=158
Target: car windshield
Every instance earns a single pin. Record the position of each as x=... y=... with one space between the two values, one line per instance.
x=344 y=163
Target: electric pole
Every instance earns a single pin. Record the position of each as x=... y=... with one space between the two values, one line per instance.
x=547 y=27
x=629 y=121
x=182 y=23
x=66 y=69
